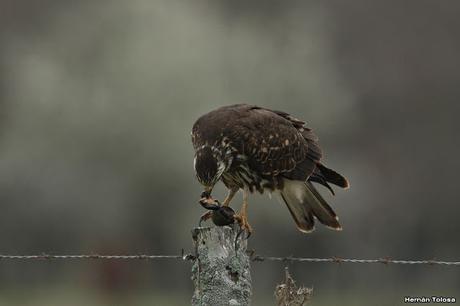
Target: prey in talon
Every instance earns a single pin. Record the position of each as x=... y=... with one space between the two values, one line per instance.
x=220 y=215
x=255 y=149
x=207 y=201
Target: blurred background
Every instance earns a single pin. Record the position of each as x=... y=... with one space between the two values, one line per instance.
x=97 y=100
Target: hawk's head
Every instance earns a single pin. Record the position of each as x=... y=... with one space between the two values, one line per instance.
x=209 y=166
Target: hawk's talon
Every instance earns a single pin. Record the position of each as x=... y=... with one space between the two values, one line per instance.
x=241 y=231
x=244 y=225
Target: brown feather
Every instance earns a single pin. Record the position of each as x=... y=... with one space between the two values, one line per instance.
x=333 y=177
x=266 y=149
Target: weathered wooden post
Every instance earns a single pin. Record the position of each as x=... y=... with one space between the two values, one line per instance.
x=221 y=271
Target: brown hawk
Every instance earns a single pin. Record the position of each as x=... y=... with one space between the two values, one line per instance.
x=255 y=149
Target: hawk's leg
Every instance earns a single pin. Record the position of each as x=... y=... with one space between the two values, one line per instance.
x=230 y=195
x=242 y=216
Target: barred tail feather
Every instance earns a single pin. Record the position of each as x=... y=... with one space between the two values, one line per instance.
x=305 y=203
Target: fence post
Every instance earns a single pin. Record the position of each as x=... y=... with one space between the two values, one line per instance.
x=221 y=272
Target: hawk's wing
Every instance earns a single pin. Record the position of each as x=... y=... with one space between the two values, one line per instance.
x=277 y=143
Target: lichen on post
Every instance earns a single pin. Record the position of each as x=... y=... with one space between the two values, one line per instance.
x=221 y=272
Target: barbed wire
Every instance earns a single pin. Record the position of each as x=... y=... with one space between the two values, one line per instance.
x=339 y=260
x=90 y=256
x=254 y=257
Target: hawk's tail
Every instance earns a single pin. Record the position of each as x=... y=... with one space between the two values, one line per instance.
x=333 y=177
x=305 y=203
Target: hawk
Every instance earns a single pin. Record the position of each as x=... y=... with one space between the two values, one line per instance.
x=256 y=149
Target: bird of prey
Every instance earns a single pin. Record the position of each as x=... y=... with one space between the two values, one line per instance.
x=257 y=149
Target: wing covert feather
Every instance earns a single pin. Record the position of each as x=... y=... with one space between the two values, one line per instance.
x=272 y=144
